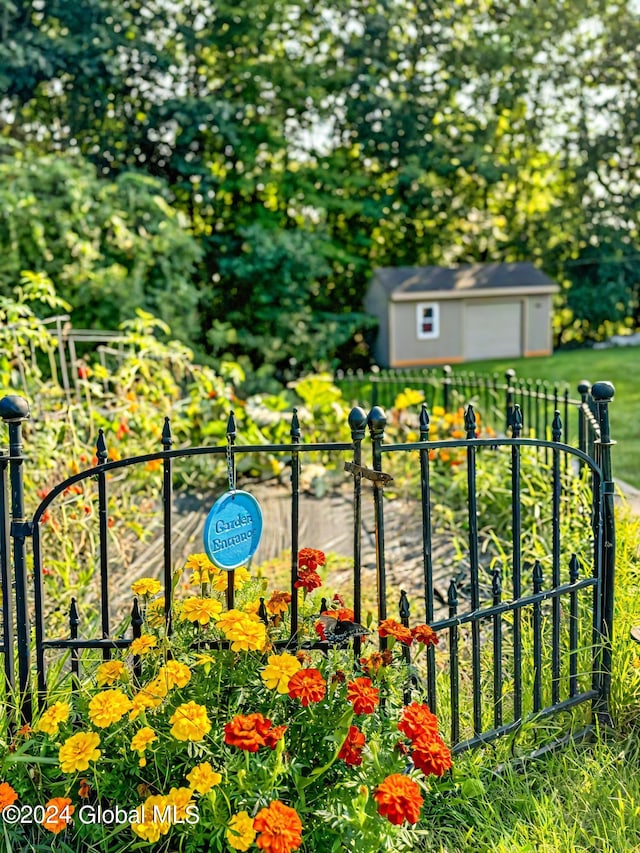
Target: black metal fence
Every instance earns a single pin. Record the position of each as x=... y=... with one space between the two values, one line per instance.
x=494 y=395
x=539 y=642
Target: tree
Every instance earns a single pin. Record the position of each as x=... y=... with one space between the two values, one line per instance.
x=109 y=246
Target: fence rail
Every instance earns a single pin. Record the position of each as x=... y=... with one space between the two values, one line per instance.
x=494 y=396
x=544 y=628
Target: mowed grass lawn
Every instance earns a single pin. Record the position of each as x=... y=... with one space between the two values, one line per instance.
x=620 y=365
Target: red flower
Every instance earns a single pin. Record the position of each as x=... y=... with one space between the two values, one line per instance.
x=248 y=732
x=309 y=579
x=398 y=799
x=431 y=755
x=279 y=828
x=391 y=628
x=425 y=635
x=310 y=558
x=308 y=686
x=364 y=697
x=274 y=734
x=418 y=721
x=351 y=749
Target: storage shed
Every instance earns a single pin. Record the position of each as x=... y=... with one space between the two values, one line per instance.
x=437 y=315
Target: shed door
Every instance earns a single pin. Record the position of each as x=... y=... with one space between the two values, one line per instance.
x=493 y=330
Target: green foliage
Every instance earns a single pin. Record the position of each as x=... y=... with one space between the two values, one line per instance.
x=334 y=140
x=109 y=246
x=276 y=305
x=604 y=291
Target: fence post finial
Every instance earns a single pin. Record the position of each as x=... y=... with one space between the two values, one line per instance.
x=14 y=409
x=357 y=423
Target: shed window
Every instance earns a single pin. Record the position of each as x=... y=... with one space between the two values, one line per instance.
x=428 y=317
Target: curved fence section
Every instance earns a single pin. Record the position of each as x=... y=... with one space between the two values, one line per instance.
x=516 y=563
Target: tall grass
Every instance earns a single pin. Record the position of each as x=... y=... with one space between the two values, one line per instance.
x=585 y=797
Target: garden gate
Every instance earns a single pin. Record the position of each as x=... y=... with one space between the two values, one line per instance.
x=537 y=644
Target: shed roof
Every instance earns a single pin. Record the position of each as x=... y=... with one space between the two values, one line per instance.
x=402 y=283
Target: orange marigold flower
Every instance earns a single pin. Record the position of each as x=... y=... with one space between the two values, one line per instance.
x=274 y=734
x=344 y=614
x=391 y=628
x=58 y=813
x=279 y=602
x=308 y=579
x=425 y=635
x=310 y=558
x=279 y=828
x=308 y=686
x=431 y=755
x=7 y=795
x=418 y=721
x=398 y=798
x=351 y=749
x=364 y=697
x=248 y=732
x=373 y=664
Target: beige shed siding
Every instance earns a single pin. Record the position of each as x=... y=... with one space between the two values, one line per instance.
x=538 y=325
x=493 y=329
x=406 y=349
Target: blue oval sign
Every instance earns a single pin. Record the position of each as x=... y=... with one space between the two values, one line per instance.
x=232 y=530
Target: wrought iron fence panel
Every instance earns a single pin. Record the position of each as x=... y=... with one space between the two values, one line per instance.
x=532 y=639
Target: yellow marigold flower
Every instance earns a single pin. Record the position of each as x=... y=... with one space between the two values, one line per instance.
x=190 y=722
x=149 y=696
x=174 y=674
x=278 y=671
x=202 y=568
x=142 y=739
x=151 y=823
x=180 y=799
x=146 y=586
x=52 y=717
x=154 y=616
x=198 y=561
x=203 y=778
x=219 y=579
x=202 y=659
x=108 y=707
x=240 y=832
x=229 y=619
x=110 y=671
x=246 y=631
x=143 y=645
x=201 y=610
x=78 y=750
